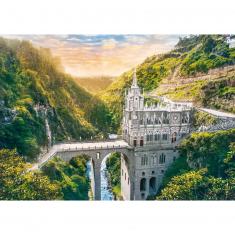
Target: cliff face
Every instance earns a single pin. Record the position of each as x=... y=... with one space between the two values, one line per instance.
x=39 y=103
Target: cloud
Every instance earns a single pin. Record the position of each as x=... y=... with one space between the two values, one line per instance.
x=92 y=55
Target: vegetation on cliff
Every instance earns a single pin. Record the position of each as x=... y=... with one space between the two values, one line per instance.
x=33 y=88
x=204 y=170
x=113 y=164
x=70 y=177
x=18 y=183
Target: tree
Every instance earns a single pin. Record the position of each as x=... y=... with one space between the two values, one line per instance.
x=208 y=44
x=230 y=162
x=196 y=185
x=18 y=183
x=70 y=176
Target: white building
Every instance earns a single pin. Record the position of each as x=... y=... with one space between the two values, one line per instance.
x=153 y=131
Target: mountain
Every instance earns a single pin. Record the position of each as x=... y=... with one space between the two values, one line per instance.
x=39 y=103
x=184 y=74
x=94 y=84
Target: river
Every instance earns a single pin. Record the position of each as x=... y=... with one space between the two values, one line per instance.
x=106 y=193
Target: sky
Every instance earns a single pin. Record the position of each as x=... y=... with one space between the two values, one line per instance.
x=102 y=55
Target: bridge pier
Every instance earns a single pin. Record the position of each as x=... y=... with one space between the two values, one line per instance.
x=97 y=181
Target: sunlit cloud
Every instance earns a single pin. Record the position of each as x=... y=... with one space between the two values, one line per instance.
x=95 y=55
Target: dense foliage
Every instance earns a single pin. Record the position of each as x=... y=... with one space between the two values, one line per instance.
x=219 y=94
x=113 y=164
x=33 y=88
x=203 y=119
x=18 y=183
x=208 y=52
x=204 y=170
x=195 y=185
x=70 y=176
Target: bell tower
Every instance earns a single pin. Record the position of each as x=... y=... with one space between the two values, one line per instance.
x=134 y=100
x=134 y=104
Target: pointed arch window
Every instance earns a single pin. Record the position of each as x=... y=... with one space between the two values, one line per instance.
x=166 y=119
x=144 y=160
x=157 y=137
x=162 y=158
x=143 y=184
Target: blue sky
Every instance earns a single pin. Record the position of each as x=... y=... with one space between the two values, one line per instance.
x=95 y=55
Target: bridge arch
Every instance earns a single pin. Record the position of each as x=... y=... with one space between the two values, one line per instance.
x=124 y=175
x=97 y=152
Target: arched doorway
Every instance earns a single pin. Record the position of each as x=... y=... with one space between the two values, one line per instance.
x=152 y=185
x=143 y=184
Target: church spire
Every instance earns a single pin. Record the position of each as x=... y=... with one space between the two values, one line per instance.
x=134 y=82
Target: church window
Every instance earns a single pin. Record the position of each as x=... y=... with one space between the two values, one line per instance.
x=173 y=137
x=148 y=138
x=122 y=172
x=144 y=161
x=165 y=118
x=148 y=121
x=164 y=136
x=153 y=172
x=125 y=176
x=162 y=158
x=154 y=160
x=143 y=184
x=98 y=155
x=143 y=173
x=135 y=143
x=184 y=118
x=157 y=120
x=157 y=137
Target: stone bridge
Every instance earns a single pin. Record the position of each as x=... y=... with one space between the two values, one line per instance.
x=97 y=151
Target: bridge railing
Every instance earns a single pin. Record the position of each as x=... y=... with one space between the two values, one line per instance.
x=119 y=137
x=91 y=148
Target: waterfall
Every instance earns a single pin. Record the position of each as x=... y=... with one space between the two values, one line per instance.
x=48 y=129
x=48 y=133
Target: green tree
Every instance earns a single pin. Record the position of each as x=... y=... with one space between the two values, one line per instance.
x=196 y=185
x=18 y=183
x=230 y=162
x=70 y=176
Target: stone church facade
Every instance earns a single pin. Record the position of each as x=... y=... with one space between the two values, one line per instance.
x=153 y=131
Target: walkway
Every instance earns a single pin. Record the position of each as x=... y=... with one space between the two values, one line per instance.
x=82 y=146
x=218 y=114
